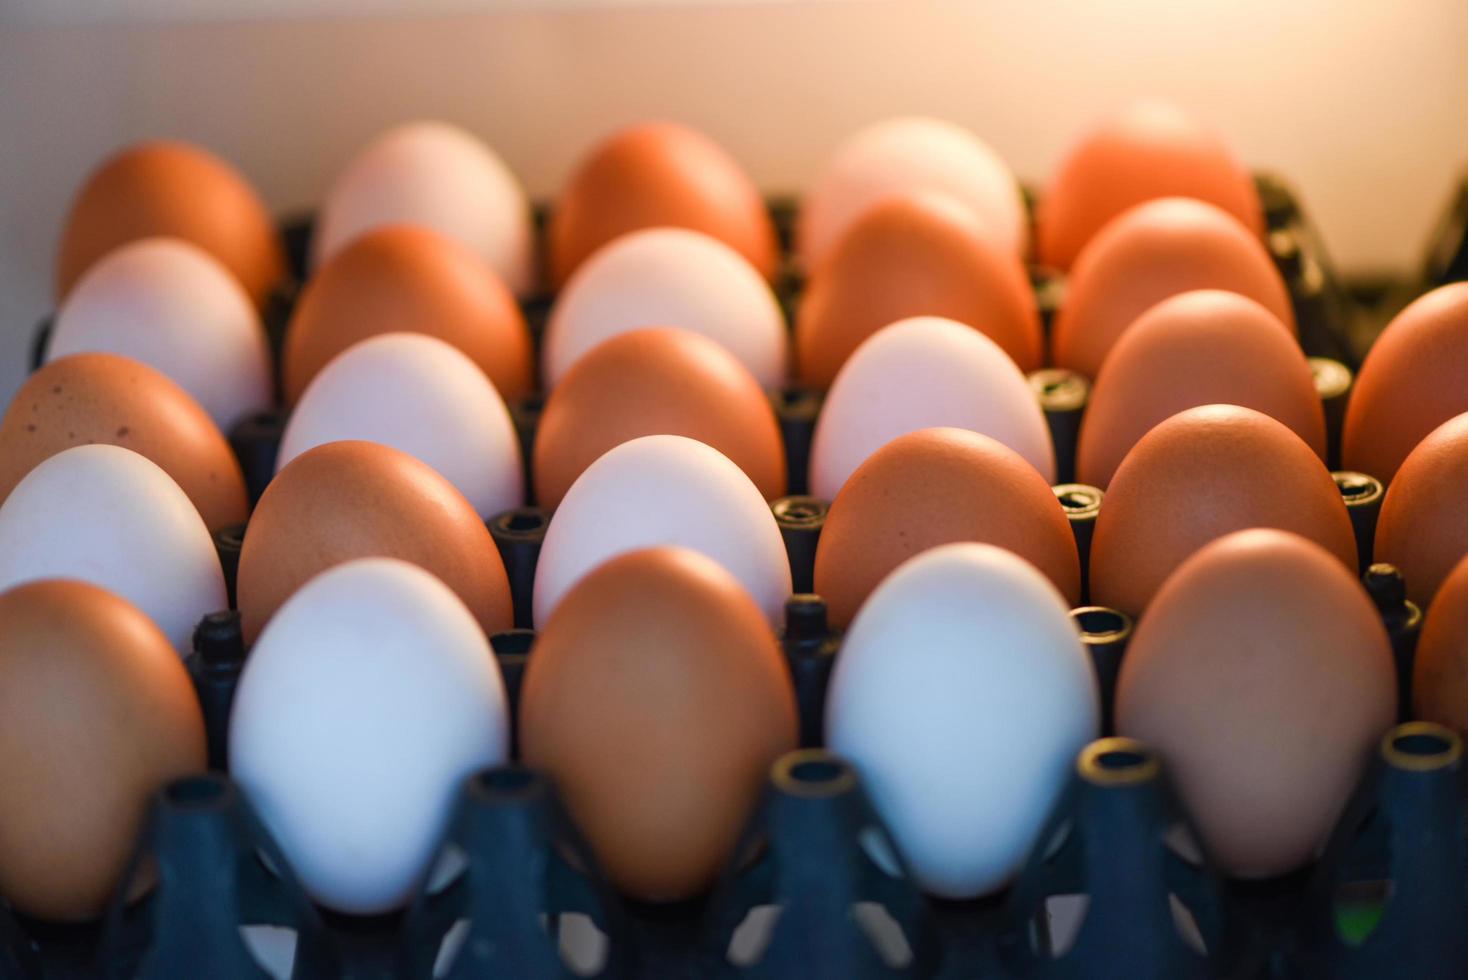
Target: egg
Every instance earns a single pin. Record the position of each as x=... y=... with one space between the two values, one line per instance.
x=1197 y=476
x=913 y=254
x=658 y=174
x=108 y=516
x=1201 y=347
x=664 y=490
x=904 y=154
x=650 y=382
x=421 y=395
x=108 y=399
x=657 y=698
x=917 y=374
x=354 y=499
x=668 y=277
x=1422 y=528
x=1414 y=378
x=1263 y=676
x=932 y=487
x=1145 y=255
x=368 y=700
x=1440 y=671
x=173 y=306
x=962 y=695
x=176 y=190
x=408 y=279
x=1148 y=150
x=437 y=176
x=96 y=713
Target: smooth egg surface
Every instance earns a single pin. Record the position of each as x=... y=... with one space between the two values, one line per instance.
x=1440 y=670
x=1423 y=525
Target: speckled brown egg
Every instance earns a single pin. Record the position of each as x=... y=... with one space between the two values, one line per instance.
x=96 y=713
x=1197 y=348
x=402 y=278
x=1143 y=256
x=914 y=254
x=1414 y=379
x=350 y=499
x=180 y=191
x=1198 y=476
x=932 y=487
x=657 y=698
x=1440 y=671
x=656 y=381
x=659 y=174
x=110 y=399
x=1423 y=525
x=1263 y=675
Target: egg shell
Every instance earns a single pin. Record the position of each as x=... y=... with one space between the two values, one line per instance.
x=657 y=698
x=1414 y=378
x=664 y=490
x=904 y=154
x=368 y=700
x=173 y=306
x=106 y=515
x=933 y=487
x=410 y=279
x=178 y=190
x=1198 y=476
x=913 y=254
x=96 y=713
x=1143 y=256
x=436 y=176
x=355 y=499
x=1263 y=675
x=658 y=174
x=423 y=396
x=1148 y=150
x=1440 y=670
x=668 y=277
x=1201 y=347
x=112 y=400
x=962 y=694
x=1423 y=525
x=917 y=374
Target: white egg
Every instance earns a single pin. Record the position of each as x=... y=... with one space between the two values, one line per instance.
x=920 y=373
x=367 y=700
x=173 y=306
x=912 y=153
x=668 y=277
x=664 y=490
x=440 y=177
x=108 y=516
x=423 y=396
x=962 y=695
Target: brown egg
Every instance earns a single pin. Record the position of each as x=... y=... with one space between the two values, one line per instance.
x=1150 y=150
x=1154 y=251
x=912 y=255
x=96 y=713
x=1414 y=379
x=177 y=190
x=407 y=279
x=656 y=381
x=1198 y=476
x=932 y=487
x=106 y=398
x=1201 y=347
x=1440 y=671
x=657 y=698
x=1423 y=525
x=346 y=500
x=1264 y=678
x=659 y=174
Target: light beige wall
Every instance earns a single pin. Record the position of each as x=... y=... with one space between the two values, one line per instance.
x=1363 y=102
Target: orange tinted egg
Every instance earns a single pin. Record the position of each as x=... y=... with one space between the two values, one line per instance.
x=1198 y=476
x=1440 y=671
x=1423 y=525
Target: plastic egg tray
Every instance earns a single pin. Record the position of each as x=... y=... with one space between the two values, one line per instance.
x=814 y=889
